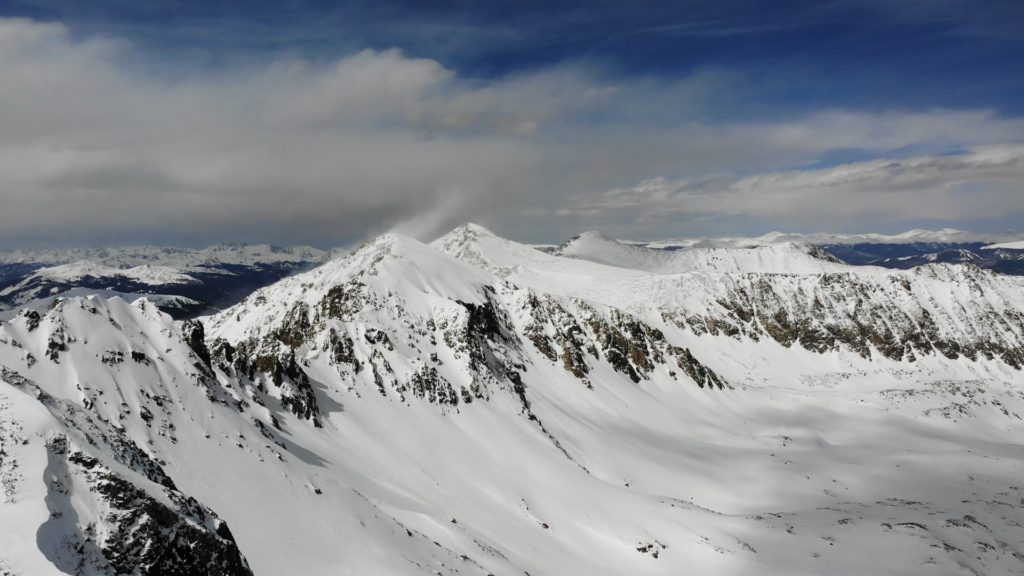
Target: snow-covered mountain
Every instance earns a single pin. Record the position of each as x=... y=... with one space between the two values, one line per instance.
x=915 y=236
x=1018 y=245
x=903 y=251
x=478 y=406
x=772 y=257
x=183 y=282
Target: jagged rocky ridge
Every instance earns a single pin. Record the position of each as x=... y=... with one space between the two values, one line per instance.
x=891 y=316
x=941 y=309
x=370 y=334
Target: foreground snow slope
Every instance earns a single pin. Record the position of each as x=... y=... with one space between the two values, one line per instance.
x=479 y=407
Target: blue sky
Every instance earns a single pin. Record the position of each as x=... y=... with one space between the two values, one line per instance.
x=873 y=54
x=536 y=118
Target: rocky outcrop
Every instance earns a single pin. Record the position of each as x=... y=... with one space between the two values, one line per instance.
x=135 y=532
x=295 y=391
x=194 y=334
x=629 y=345
x=557 y=334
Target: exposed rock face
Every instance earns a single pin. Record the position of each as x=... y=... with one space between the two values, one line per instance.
x=342 y=350
x=893 y=316
x=136 y=533
x=293 y=386
x=194 y=334
x=31 y=319
x=488 y=335
x=630 y=346
x=481 y=336
x=557 y=334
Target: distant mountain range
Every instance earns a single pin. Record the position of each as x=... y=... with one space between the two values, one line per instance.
x=1005 y=258
x=186 y=282
x=999 y=253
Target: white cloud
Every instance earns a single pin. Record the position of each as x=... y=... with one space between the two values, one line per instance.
x=984 y=182
x=94 y=146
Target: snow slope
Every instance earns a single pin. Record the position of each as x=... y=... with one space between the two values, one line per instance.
x=1006 y=246
x=785 y=257
x=144 y=274
x=476 y=406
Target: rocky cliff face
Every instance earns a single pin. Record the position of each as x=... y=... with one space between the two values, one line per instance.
x=936 y=310
x=135 y=531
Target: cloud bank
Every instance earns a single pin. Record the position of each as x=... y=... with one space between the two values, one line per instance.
x=982 y=183
x=96 y=147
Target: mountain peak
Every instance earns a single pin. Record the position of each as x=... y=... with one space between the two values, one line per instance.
x=464 y=233
x=476 y=229
x=589 y=236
